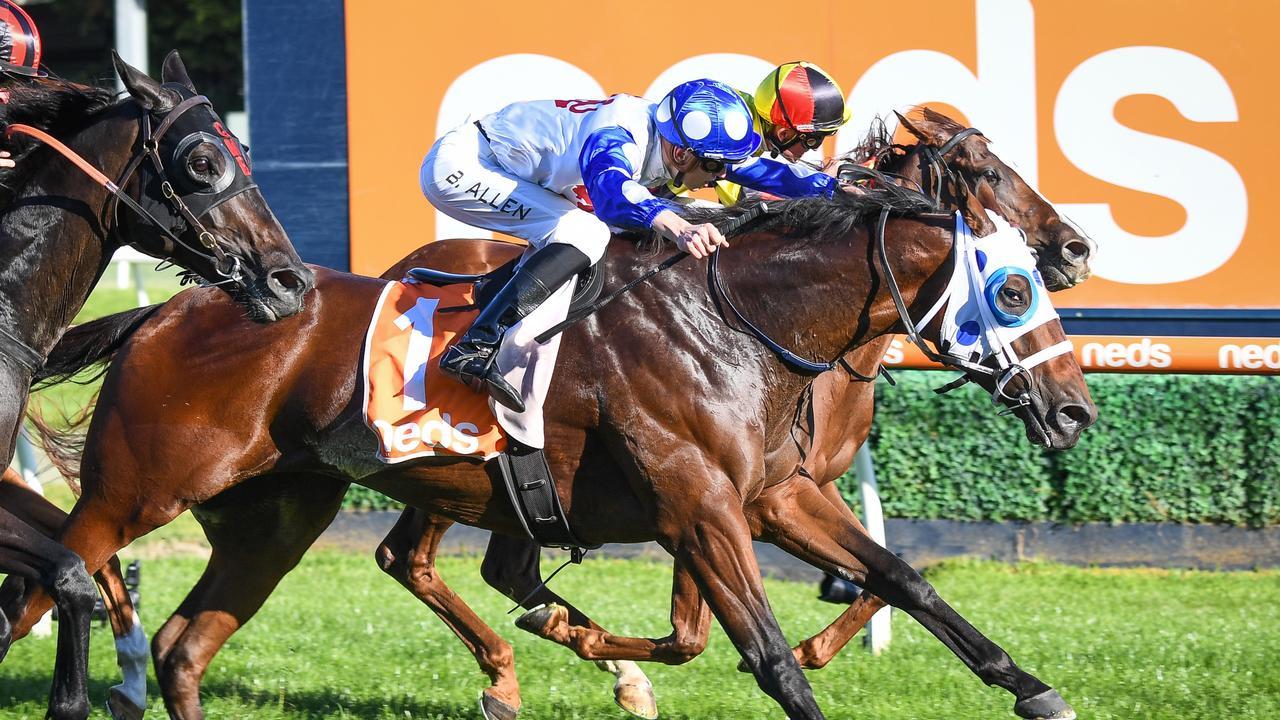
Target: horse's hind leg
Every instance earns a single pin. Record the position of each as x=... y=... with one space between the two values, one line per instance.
x=511 y=566
x=255 y=544
x=127 y=700
x=25 y=551
x=798 y=519
x=408 y=554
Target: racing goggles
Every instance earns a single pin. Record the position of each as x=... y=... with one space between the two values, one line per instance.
x=810 y=141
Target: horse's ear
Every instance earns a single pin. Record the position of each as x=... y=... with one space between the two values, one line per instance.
x=904 y=122
x=174 y=71
x=924 y=128
x=142 y=87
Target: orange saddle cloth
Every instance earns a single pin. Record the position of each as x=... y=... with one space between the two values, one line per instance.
x=413 y=408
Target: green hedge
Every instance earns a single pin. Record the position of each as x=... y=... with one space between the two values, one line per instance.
x=1173 y=448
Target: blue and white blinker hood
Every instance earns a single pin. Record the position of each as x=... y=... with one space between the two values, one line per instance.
x=974 y=328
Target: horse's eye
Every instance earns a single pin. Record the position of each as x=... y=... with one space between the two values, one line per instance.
x=1011 y=296
x=200 y=165
x=991 y=176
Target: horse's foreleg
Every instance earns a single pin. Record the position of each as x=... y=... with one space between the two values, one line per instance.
x=408 y=554
x=128 y=699
x=797 y=518
x=511 y=566
x=285 y=513
x=715 y=547
x=690 y=627
x=61 y=575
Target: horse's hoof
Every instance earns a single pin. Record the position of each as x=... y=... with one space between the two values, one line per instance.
x=1048 y=705
x=637 y=699
x=121 y=707
x=494 y=709
x=537 y=620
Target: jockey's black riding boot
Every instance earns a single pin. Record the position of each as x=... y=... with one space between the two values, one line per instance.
x=470 y=360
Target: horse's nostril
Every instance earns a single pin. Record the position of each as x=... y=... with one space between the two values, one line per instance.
x=1075 y=251
x=1072 y=416
x=288 y=280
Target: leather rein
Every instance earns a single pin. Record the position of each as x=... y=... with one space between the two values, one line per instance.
x=937 y=171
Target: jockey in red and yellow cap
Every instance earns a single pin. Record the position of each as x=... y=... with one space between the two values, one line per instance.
x=795 y=108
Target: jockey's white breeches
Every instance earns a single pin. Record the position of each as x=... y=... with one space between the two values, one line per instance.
x=463 y=179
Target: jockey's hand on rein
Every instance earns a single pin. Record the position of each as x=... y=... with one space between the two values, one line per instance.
x=6 y=160
x=697 y=240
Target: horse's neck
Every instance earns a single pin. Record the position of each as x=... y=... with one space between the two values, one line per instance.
x=52 y=241
x=824 y=298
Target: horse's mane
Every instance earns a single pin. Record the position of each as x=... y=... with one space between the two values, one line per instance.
x=818 y=218
x=57 y=106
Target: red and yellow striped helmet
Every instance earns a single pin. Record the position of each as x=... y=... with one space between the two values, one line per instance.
x=19 y=41
x=801 y=96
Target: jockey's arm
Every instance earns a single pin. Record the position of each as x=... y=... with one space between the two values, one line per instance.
x=620 y=201
x=607 y=173
x=782 y=179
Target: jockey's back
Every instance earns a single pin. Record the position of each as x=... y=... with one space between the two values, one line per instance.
x=541 y=140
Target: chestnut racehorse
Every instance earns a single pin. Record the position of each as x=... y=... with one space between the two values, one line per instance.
x=636 y=460
x=290 y=513
x=59 y=229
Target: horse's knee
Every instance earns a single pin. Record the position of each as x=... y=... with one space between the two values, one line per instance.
x=70 y=585
x=908 y=589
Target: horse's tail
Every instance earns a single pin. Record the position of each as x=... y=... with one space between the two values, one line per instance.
x=63 y=443
x=82 y=347
x=89 y=344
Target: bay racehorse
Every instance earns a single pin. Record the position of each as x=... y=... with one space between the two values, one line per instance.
x=637 y=460
x=836 y=422
x=287 y=514
x=163 y=153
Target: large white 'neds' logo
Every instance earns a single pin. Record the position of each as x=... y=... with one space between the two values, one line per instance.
x=1000 y=98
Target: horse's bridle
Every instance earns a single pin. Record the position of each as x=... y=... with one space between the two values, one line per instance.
x=937 y=169
x=211 y=248
x=225 y=264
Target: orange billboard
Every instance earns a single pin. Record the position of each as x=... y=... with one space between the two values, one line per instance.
x=1150 y=123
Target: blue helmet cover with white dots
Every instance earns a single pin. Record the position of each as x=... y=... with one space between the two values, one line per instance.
x=710 y=118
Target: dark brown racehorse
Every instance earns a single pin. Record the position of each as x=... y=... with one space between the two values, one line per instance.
x=289 y=514
x=638 y=461
x=58 y=231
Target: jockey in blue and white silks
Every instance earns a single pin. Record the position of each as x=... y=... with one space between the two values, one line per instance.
x=562 y=174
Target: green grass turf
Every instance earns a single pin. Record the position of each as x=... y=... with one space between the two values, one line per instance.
x=339 y=640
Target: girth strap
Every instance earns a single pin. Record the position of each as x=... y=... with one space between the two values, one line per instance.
x=20 y=352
